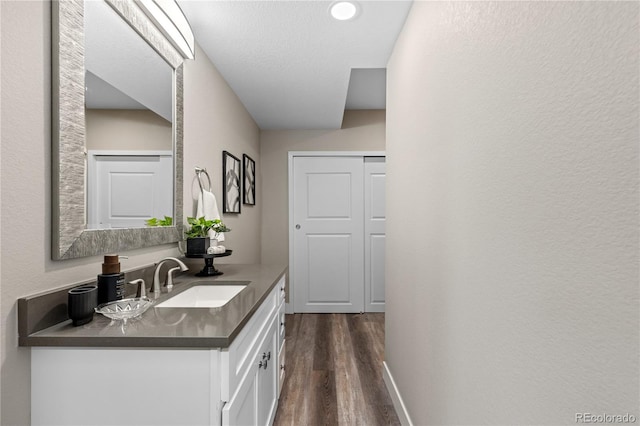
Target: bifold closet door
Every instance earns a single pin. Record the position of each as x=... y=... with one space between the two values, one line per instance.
x=328 y=212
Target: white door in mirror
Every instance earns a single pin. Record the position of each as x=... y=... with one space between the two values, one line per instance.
x=126 y=190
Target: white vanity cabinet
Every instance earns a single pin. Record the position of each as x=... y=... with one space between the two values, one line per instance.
x=253 y=364
x=238 y=385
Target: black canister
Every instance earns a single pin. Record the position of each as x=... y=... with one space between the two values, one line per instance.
x=81 y=304
x=111 y=280
x=110 y=287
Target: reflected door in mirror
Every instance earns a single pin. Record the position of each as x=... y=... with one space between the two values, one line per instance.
x=125 y=191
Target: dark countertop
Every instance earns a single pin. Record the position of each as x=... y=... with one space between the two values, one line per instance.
x=173 y=327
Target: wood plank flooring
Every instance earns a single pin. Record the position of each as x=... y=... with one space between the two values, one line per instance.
x=334 y=371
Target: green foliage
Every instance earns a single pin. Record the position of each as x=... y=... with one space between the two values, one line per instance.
x=167 y=221
x=200 y=227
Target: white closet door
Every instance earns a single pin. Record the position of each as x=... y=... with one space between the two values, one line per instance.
x=374 y=233
x=328 y=212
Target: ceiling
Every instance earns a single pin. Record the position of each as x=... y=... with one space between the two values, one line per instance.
x=122 y=70
x=291 y=64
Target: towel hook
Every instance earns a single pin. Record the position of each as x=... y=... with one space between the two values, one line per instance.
x=199 y=171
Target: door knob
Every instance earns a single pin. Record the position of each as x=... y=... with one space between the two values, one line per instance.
x=297 y=226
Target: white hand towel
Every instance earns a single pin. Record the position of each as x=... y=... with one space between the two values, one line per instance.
x=208 y=207
x=216 y=250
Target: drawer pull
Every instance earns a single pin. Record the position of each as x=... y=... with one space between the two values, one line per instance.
x=265 y=360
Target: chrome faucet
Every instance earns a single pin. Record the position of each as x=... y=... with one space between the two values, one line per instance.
x=169 y=281
x=156 y=274
x=142 y=290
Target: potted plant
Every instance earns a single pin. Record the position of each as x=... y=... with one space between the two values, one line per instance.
x=154 y=221
x=218 y=227
x=197 y=235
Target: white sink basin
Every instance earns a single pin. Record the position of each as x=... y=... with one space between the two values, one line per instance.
x=203 y=296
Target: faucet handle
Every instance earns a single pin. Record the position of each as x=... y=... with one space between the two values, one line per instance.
x=169 y=283
x=142 y=288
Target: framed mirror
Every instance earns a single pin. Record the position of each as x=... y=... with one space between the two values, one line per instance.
x=88 y=88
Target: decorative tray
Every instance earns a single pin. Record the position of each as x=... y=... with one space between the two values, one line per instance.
x=209 y=256
x=125 y=309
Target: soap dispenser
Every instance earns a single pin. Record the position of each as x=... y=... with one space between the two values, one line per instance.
x=111 y=280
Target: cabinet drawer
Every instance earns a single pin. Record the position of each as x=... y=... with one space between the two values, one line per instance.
x=237 y=358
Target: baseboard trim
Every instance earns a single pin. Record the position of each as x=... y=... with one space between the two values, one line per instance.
x=398 y=403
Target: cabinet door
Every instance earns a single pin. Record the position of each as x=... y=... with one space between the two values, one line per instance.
x=268 y=378
x=281 y=365
x=243 y=408
x=239 y=357
x=255 y=401
x=280 y=318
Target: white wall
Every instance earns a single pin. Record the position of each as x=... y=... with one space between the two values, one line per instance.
x=25 y=262
x=362 y=130
x=512 y=212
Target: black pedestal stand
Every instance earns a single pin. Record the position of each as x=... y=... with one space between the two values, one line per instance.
x=209 y=270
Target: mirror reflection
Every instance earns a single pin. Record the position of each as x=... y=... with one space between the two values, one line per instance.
x=129 y=124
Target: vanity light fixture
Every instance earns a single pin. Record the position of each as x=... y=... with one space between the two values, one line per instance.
x=169 y=18
x=344 y=10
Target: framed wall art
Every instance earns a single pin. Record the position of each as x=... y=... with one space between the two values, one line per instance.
x=249 y=180
x=231 y=178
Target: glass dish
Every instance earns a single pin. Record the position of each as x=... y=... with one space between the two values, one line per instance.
x=125 y=309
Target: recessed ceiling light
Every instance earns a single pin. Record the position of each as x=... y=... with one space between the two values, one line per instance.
x=343 y=10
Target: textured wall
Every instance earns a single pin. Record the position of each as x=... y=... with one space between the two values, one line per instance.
x=215 y=120
x=25 y=167
x=127 y=130
x=512 y=212
x=361 y=131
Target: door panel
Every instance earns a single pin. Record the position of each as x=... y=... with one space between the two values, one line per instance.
x=328 y=212
x=329 y=263
x=329 y=195
x=374 y=228
x=376 y=270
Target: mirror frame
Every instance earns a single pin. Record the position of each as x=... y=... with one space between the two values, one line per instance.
x=70 y=239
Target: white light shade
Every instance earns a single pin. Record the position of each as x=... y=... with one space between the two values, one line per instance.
x=168 y=17
x=343 y=10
